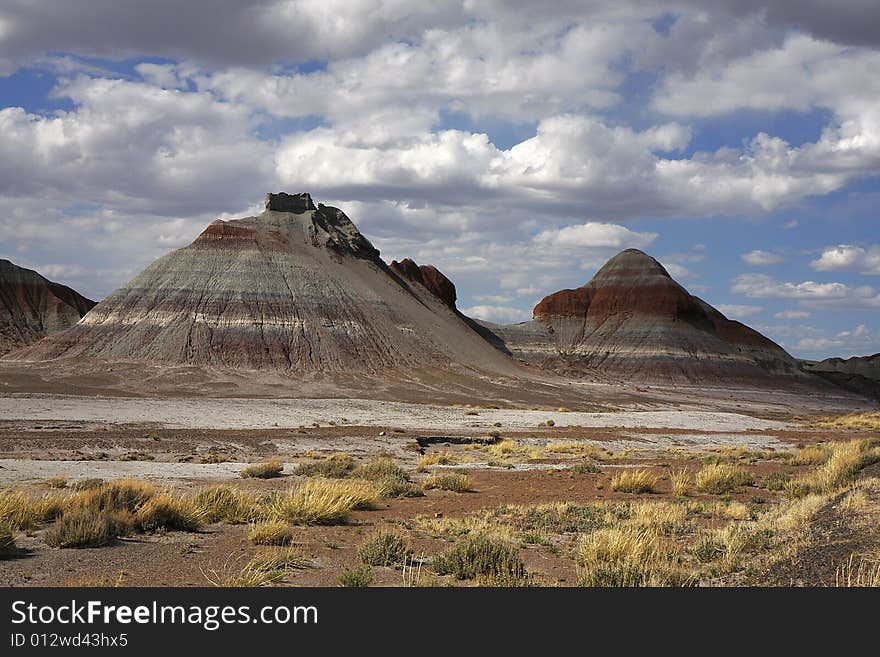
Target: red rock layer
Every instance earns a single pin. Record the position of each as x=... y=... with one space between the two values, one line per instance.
x=634 y=321
x=428 y=276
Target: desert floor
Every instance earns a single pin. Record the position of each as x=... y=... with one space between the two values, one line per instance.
x=543 y=484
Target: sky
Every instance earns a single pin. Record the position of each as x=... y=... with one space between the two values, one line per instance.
x=514 y=145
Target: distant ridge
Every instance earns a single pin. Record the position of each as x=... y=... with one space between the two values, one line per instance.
x=32 y=307
x=633 y=321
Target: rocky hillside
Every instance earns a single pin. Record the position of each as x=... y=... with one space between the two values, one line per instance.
x=296 y=288
x=633 y=321
x=32 y=307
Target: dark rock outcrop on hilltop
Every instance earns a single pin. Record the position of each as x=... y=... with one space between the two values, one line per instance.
x=860 y=374
x=428 y=276
x=296 y=288
x=633 y=321
x=32 y=307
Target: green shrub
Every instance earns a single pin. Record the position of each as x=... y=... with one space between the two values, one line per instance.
x=477 y=554
x=385 y=548
x=355 y=577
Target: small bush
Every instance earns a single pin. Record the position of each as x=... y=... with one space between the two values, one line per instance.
x=270 y=532
x=585 y=467
x=634 y=481
x=87 y=527
x=391 y=477
x=452 y=481
x=385 y=548
x=479 y=555
x=55 y=482
x=267 y=470
x=720 y=478
x=335 y=466
x=358 y=577
x=165 y=512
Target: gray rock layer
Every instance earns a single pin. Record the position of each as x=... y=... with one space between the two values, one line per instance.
x=633 y=321
x=302 y=291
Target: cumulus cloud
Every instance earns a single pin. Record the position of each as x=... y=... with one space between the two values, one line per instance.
x=849 y=258
x=736 y=311
x=827 y=295
x=593 y=234
x=760 y=258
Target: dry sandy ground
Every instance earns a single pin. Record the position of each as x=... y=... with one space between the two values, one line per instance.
x=293 y=413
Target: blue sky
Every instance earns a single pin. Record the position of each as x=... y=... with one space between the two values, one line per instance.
x=514 y=148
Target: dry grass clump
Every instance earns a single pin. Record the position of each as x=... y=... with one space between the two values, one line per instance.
x=625 y=556
x=720 y=478
x=841 y=468
x=393 y=479
x=84 y=527
x=270 y=532
x=267 y=470
x=681 y=482
x=225 y=504
x=265 y=569
x=864 y=574
x=164 y=512
x=664 y=518
x=811 y=455
x=21 y=511
x=87 y=484
x=452 y=481
x=55 y=482
x=870 y=421
x=577 y=448
x=117 y=495
x=480 y=555
x=7 y=541
x=385 y=548
x=335 y=466
x=442 y=458
x=586 y=466
x=634 y=481
x=324 y=501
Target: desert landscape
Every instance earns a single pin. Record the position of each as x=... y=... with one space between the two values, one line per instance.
x=274 y=405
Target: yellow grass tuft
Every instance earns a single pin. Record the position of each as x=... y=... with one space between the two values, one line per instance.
x=266 y=470
x=720 y=478
x=270 y=532
x=811 y=455
x=870 y=421
x=681 y=483
x=841 y=468
x=324 y=501
x=634 y=481
x=166 y=511
x=226 y=504
x=453 y=481
x=624 y=556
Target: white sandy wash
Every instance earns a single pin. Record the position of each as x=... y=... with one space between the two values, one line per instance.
x=291 y=413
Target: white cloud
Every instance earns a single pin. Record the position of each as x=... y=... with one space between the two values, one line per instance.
x=498 y=314
x=735 y=311
x=809 y=293
x=760 y=258
x=792 y=314
x=849 y=258
x=592 y=234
